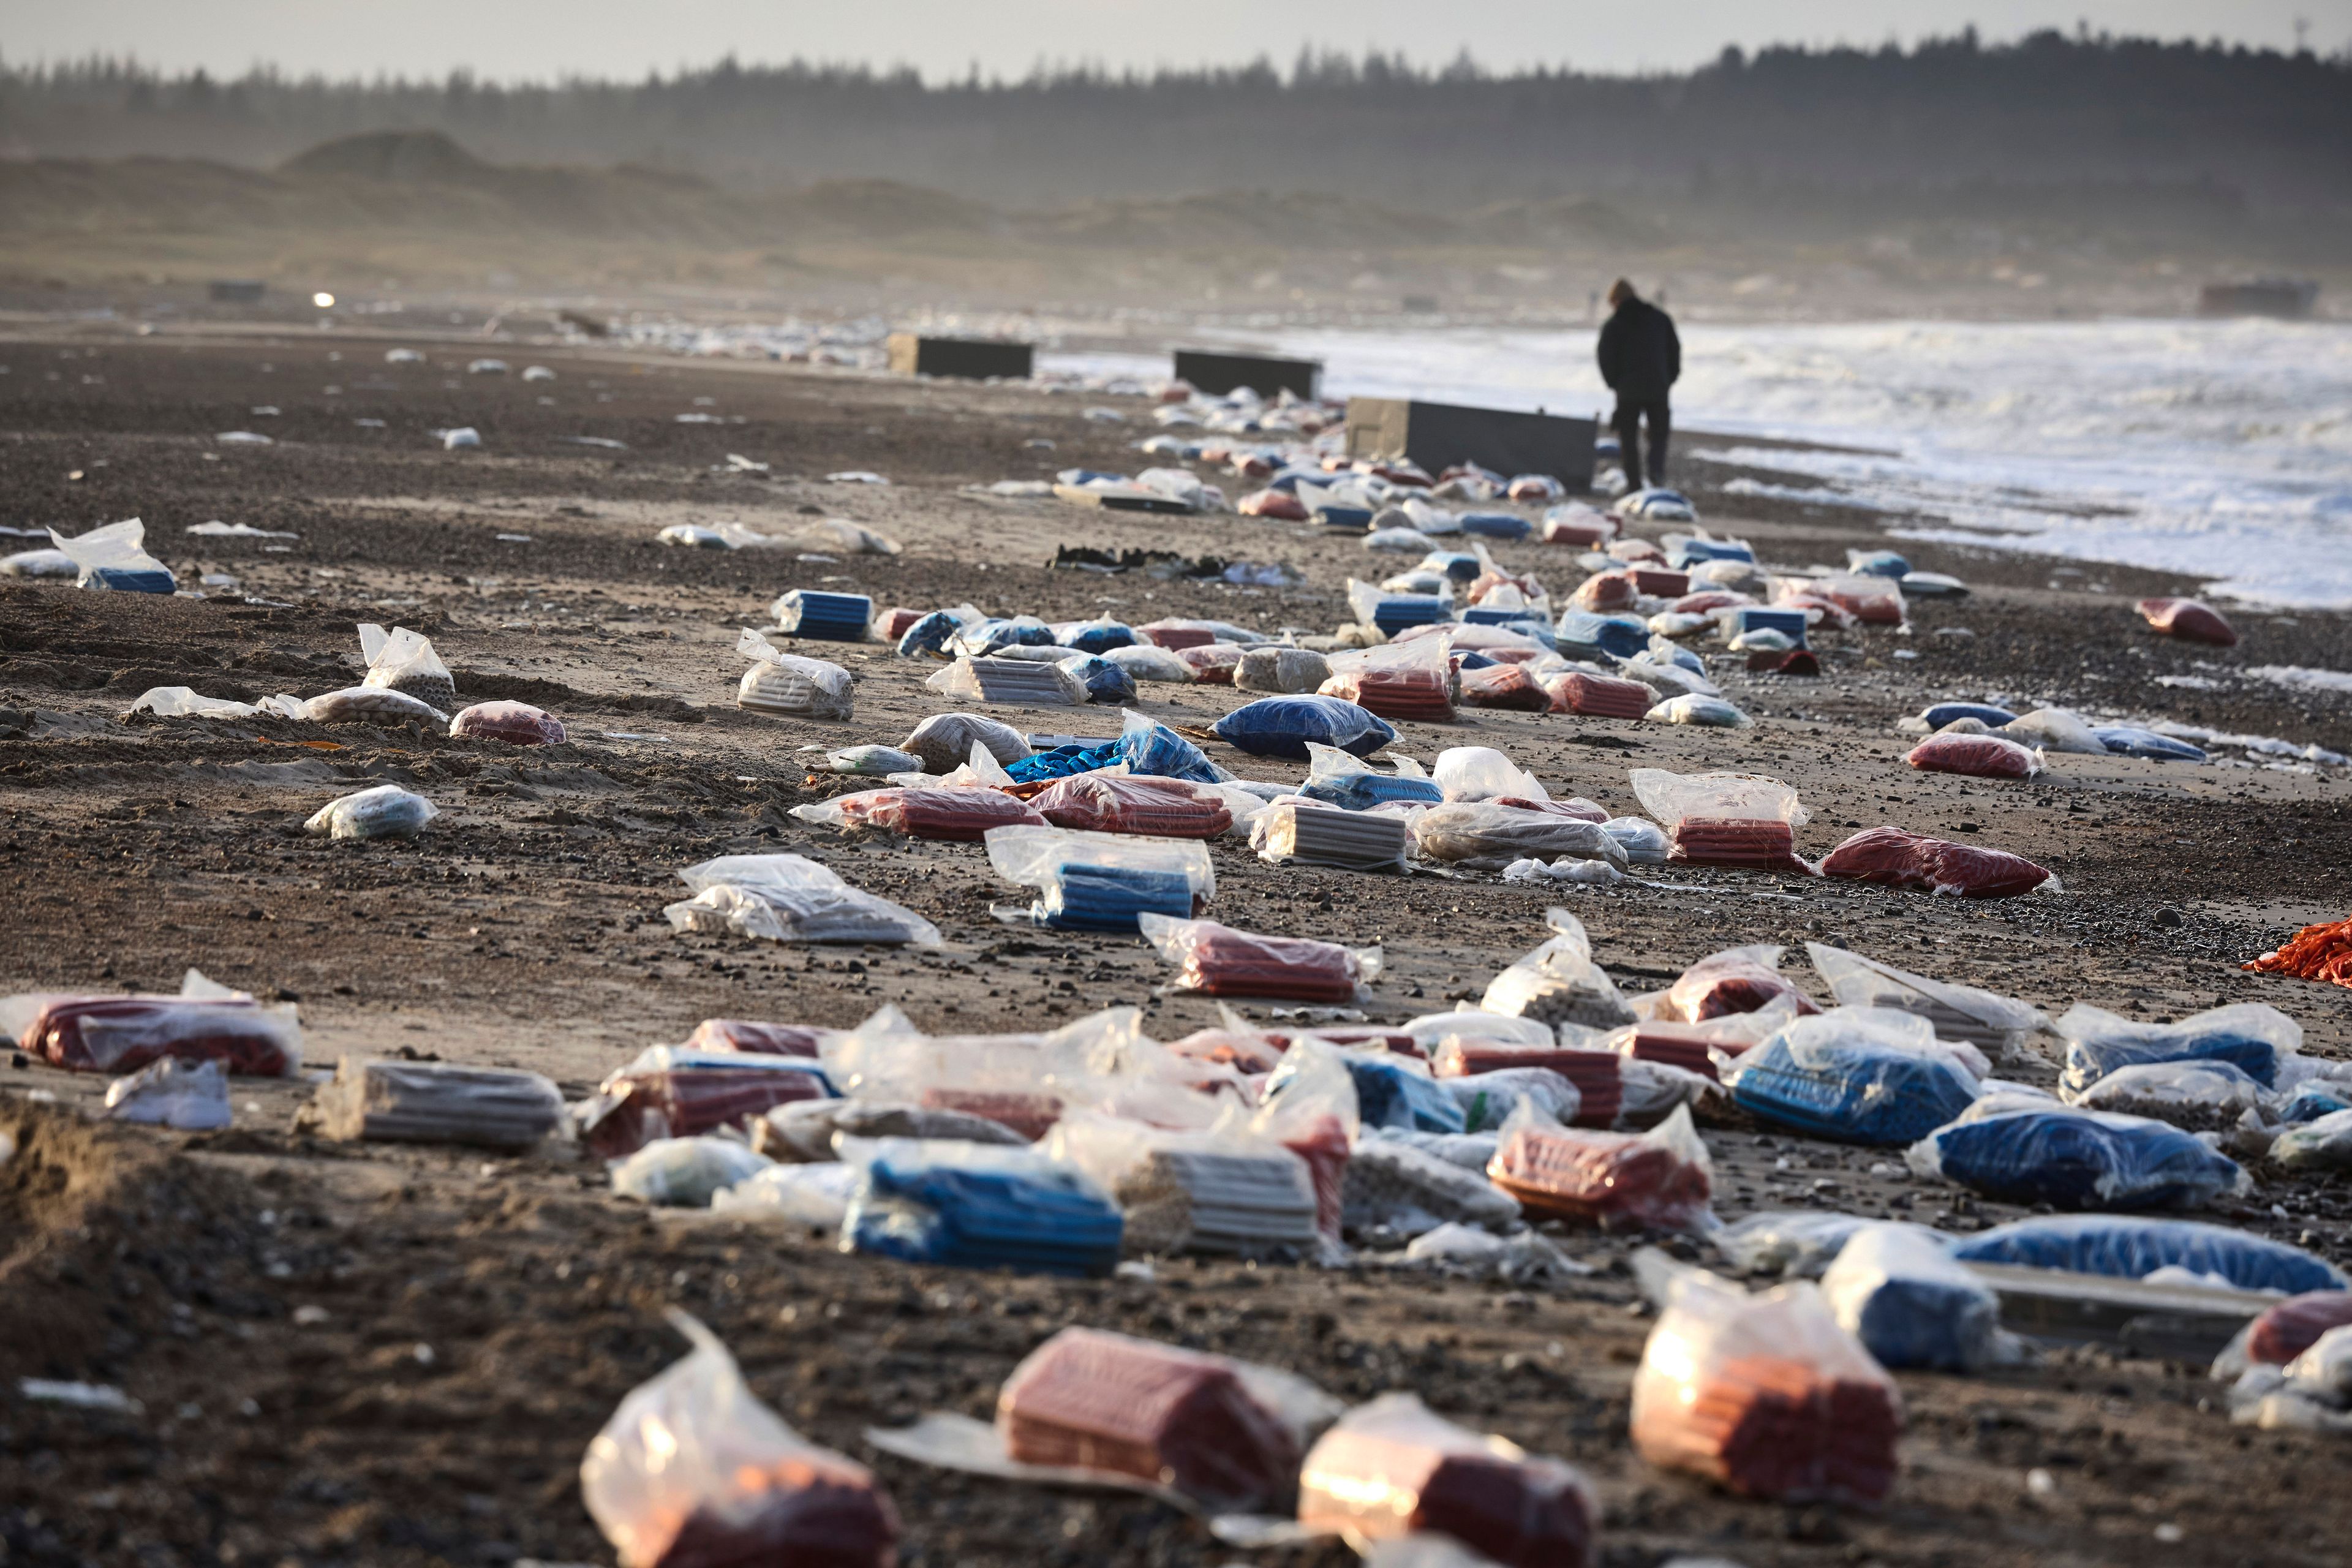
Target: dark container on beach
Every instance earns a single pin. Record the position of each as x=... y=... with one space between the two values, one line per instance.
x=1441 y=435
x=967 y=359
x=1216 y=374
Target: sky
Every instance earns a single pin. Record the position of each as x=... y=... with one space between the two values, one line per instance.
x=535 y=40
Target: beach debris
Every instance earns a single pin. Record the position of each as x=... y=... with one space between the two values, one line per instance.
x=2321 y=952
x=120 y=1034
x=114 y=556
x=387 y=811
x=437 y=1102
x=789 y=898
x=2191 y=620
x=789 y=683
x=188 y=1097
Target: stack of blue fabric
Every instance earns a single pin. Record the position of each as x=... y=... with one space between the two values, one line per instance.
x=1580 y=634
x=836 y=618
x=2131 y=1248
x=971 y=1206
x=1854 y=1092
x=1282 y=726
x=2247 y=1036
x=2314 y=1100
x=1344 y=518
x=2079 y=1160
x=983 y=637
x=1758 y=618
x=1390 y=1094
x=1101 y=637
x=1496 y=524
x=1942 y=713
x=132 y=579
x=1689 y=553
x=1108 y=898
x=1395 y=611
x=1361 y=792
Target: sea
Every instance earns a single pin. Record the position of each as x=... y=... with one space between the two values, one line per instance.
x=2219 y=450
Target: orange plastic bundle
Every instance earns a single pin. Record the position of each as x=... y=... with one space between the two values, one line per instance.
x=1767 y=1427
x=1606 y=591
x=1424 y=695
x=2321 y=952
x=1279 y=504
x=1618 y=1181
x=1656 y=583
x=1600 y=696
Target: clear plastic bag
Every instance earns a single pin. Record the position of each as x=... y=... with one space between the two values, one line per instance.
x=1312 y=1110
x=1896 y=1289
x=989 y=635
x=1413 y=680
x=1391 y=1185
x=693 y=1468
x=1644 y=841
x=928 y=634
x=1293 y=671
x=1658 y=1180
x=1858 y=1074
x=944 y=740
x=2055 y=729
x=169 y=1092
x=1488 y=1097
x=2259 y=1040
x=671 y=1091
x=1012 y=682
x=2076 y=1159
x=1977 y=756
x=115 y=556
x=1294 y=828
x=54 y=563
x=781 y=682
x=788 y=898
x=386 y=811
x=2129 y=1247
x=1391 y=1469
x=977 y=1205
x=2323 y=1144
x=1593 y=696
x=1389 y=1090
x=2201 y=1096
x=1489 y=835
x=1102 y=881
x=1764 y=1394
x=1149 y=662
x=1223 y=1189
x=1998 y=1024
x=1725 y=819
x=1283 y=727
x=403 y=660
x=517 y=723
x=120 y=1034
x=872 y=762
x=437 y=1102
x=683 y=1172
x=368 y=705
x=1787 y=1241
x=1738 y=980
x=816 y=1195
x=1692 y=708
x=1558 y=983
x=1336 y=778
x=1218 y=961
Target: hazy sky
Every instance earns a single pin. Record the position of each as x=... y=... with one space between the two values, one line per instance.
x=944 y=37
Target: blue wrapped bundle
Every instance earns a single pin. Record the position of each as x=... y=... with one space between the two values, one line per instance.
x=972 y=1206
x=1896 y=1289
x=929 y=635
x=2076 y=1159
x=1878 y=1078
x=1344 y=518
x=1100 y=636
x=2131 y=740
x=1366 y=789
x=2249 y=1036
x=1146 y=747
x=1104 y=681
x=1681 y=554
x=1758 y=618
x=1984 y=713
x=132 y=579
x=2312 y=1102
x=1282 y=727
x=1457 y=566
x=835 y=617
x=1877 y=563
x=1580 y=634
x=1108 y=898
x=1395 y=611
x=2125 y=1248
x=1496 y=524
x=981 y=638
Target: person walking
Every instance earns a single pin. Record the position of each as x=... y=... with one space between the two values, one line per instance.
x=1640 y=358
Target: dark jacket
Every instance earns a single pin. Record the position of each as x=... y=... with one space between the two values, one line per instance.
x=1640 y=354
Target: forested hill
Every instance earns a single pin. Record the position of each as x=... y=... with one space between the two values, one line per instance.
x=2270 y=130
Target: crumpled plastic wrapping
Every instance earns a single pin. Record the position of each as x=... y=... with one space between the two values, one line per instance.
x=789 y=898
x=115 y=556
x=1558 y=983
x=683 y=1172
x=2258 y=1039
x=781 y=682
x=1490 y=834
x=2000 y=1026
x=403 y=661
x=169 y=1092
x=1392 y=1185
x=387 y=811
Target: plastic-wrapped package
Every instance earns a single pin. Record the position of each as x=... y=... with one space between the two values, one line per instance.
x=1391 y=1184
x=2076 y=1159
x=1174 y=632
x=1998 y=1024
x=1606 y=591
x=816 y=1195
x=1737 y=980
x=1873 y=601
x=789 y=898
x=115 y=556
x=1505 y=686
x=1391 y=1469
x=989 y=634
x=1088 y=1400
x=1725 y=819
x=1489 y=835
x=1595 y=1077
x=1575 y=808
x=517 y=723
x=39 y=564
x=2130 y=1248
x=1410 y=680
x=1149 y=662
x=1686 y=1047
x=1213 y=664
x=894 y=622
x=673 y=1092
x=371 y=705
x=387 y=811
x=1218 y=961
x=803 y=1130
x=1463 y=1151
x=1221 y=1190
x=2313 y=1392
x=2313 y=1101
x=1938 y=715
x=1336 y=778
x=1098 y=636
x=2192 y=620
x=781 y=682
x=1104 y=681
x=1644 y=841
x=2285 y=1331
x=1977 y=756
x=1802 y=1242
x=1558 y=983
x=1156 y=807
x=2201 y=1096
x=1575 y=523
x=1896 y=1289
x=1693 y=709
x=1390 y=1092
x=1600 y=696
x=2324 y=1143
x=1101 y=881
x=944 y=740
x=1855 y=1075
x=1393 y=613
x=2055 y=729
x=1580 y=634
x=976 y=1205
x=1487 y=1099
x=833 y=617
x=1293 y=828
x=692 y=1471
x=2255 y=1038
x=1015 y=682
x=682 y=1172
x=1290 y=671
x=759 y=1038
x=929 y=633
x=1282 y=726
x=123 y=1034
x=1312 y=1112
x=1764 y=1394
x=437 y=1102
x=958 y=815
x=1482 y=773
x=169 y=1092
x=403 y=660
x=872 y=762
x=1658 y=1180
x=1895 y=858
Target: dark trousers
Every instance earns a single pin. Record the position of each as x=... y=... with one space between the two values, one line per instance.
x=1628 y=421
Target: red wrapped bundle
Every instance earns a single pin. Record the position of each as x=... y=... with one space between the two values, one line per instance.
x=1030 y=1115
x=1213 y=663
x=1391 y=1469
x=1873 y=601
x=1604 y=592
x=1656 y=583
x=2322 y=953
x=1600 y=696
x=1618 y=1181
x=2286 y=1330
x=1978 y=756
x=632 y=1110
x=1176 y=635
x=1139 y=803
x=1586 y=532
x=123 y=1034
x=1370 y=1038
x=1323 y=1143
x=1832 y=614
x=1279 y=504
x=1504 y=686
x=1240 y=1049
x=1218 y=961
x=517 y=723
x=2190 y=620
x=958 y=815
x=1426 y=695
x=816 y=1516
x=1674 y=1045
x=1765 y=1426
x=1093 y=1400
x=1739 y=979
x=759 y=1039
x=1706 y=601
x=1600 y=1083
x=1762 y=842
x=1900 y=859
x=1576 y=808
x=1251 y=466
x=1784 y=661
x=1631 y=550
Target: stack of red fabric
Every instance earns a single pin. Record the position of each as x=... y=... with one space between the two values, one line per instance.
x=1656 y=583
x=2286 y=1330
x=1174 y=636
x=1323 y=1144
x=1600 y=1081
x=760 y=1039
x=1618 y=1181
x=1765 y=843
x=1600 y=696
x=1137 y=803
x=1218 y=961
x=2192 y=619
x=1771 y=1428
x=123 y=1034
x=1899 y=859
x=687 y=1101
x=1382 y=1474
x=956 y=815
x=1213 y=663
x=892 y=624
x=805 y=1509
x=1426 y=695
x=1585 y=535
x=1675 y=1045
x=1606 y=591
x=1505 y=686
x=1030 y=1115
